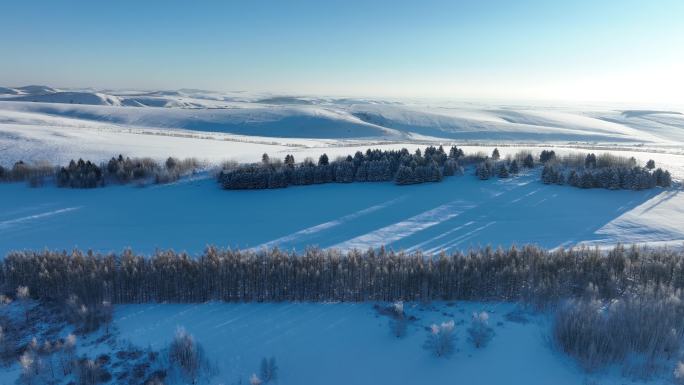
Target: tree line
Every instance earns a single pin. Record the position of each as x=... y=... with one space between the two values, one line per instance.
x=606 y=171
x=86 y=174
x=375 y=165
x=528 y=273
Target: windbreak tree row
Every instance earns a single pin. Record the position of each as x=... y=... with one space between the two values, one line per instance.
x=530 y=274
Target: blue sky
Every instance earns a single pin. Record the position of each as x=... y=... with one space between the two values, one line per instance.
x=574 y=50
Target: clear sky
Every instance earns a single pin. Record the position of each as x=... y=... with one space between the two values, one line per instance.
x=615 y=50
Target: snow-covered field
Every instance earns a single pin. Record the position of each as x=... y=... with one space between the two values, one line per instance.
x=457 y=213
x=350 y=344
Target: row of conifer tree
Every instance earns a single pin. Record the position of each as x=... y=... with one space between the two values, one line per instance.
x=376 y=165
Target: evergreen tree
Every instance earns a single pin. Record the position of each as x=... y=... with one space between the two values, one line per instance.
x=546 y=156
x=482 y=171
x=503 y=171
x=650 y=164
x=529 y=161
x=514 y=167
x=586 y=180
x=495 y=154
x=590 y=161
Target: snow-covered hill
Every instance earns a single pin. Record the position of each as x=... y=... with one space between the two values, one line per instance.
x=285 y=116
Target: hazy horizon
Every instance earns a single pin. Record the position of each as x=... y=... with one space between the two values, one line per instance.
x=615 y=51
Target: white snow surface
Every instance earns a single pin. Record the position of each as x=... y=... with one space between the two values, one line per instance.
x=278 y=116
x=349 y=344
x=459 y=213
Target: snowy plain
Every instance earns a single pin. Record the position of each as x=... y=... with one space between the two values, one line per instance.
x=39 y=123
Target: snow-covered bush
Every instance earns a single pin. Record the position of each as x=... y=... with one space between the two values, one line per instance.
x=255 y=380
x=398 y=322
x=29 y=368
x=441 y=339
x=679 y=372
x=186 y=357
x=88 y=317
x=89 y=372
x=479 y=332
x=23 y=296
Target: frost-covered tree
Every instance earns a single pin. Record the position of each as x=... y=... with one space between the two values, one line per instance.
x=546 y=156
x=398 y=321
x=404 y=176
x=441 y=339
x=29 y=368
x=479 y=332
x=24 y=296
x=503 y=171
x=514 y=169
x=495 y=154
x=482 y=171
x=590 y=161
x=186 y=356
x=529 y=161
x=650 y=164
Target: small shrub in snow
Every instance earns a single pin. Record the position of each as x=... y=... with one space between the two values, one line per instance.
x=269 y=370
x=441 y=339
x=23 y=296
x=679 y=372
x=33 y=369
x=399 y=308
x=398 y=322
x=186 y=356
x=89 y=372
x=255 y=380
x=479 y=332
x=88 y=318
